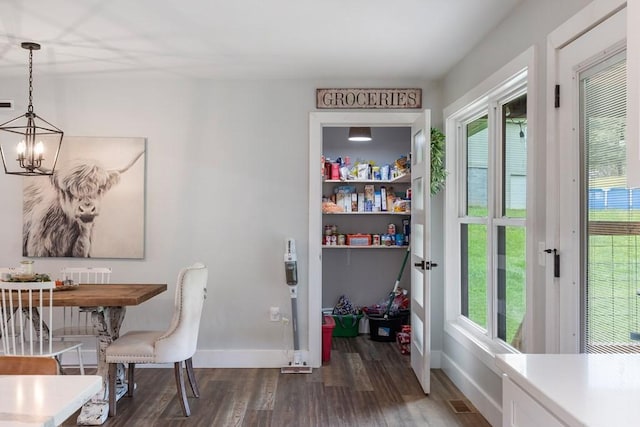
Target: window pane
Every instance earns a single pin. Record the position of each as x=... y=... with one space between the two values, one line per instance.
x=417 y=194
x=474 y=272
x=418 y=147
x=611 y=303
x=477 y=163
x=514 y=158
x=511 y=284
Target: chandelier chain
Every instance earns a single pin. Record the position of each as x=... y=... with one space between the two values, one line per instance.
x=30 y=107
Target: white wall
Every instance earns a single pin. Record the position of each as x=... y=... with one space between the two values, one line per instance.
x=527 y=25
x=226 y=183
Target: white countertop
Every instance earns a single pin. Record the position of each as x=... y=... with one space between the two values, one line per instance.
x=599 y=390
x=44 y=400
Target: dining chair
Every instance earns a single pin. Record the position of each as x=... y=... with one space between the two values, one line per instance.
x=175 y=345
x=76 y=321
x=24 y=332
x=28 y=365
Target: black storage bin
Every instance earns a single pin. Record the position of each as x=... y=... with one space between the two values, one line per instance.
x=381 y=329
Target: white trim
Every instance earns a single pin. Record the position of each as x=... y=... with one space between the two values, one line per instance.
x=588 y=18
x=583 y=21
x=503 y=82
x=318 y=120
x=488 y=407
x=633 y=90
x=244 y=358
x=476 y=343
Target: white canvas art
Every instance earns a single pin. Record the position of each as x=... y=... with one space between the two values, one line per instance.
x=93 y=204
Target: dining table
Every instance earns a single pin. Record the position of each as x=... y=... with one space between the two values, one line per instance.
x=44 y=400
x=107 y=303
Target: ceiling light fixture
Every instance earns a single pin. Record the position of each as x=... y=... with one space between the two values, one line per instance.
x=35 y=142
x=360 y=134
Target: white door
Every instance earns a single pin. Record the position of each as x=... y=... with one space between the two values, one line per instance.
x=420 y=250
x=589 y=53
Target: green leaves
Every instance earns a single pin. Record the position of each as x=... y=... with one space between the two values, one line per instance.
x=438 y=172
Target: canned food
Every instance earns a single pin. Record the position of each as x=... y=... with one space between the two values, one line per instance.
x=376 y=240
x=341 y=239
x=391 y=229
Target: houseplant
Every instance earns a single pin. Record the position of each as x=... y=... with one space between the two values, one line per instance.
x=438 y=172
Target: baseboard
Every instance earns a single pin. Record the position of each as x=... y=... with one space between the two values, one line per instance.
x=488 y=407
x=230 y=359
x=244 y=358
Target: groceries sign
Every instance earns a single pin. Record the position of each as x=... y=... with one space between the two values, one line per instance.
x=369 y=98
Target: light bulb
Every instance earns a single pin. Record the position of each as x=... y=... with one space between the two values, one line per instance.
x=39 y=149
x=22 y=147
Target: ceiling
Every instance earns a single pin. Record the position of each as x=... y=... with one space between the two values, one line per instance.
x=328 y=39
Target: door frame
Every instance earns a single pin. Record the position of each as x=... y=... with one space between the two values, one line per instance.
x=317 y=121
x=595 y=13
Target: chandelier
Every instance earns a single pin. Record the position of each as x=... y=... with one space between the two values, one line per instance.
x=33 y=141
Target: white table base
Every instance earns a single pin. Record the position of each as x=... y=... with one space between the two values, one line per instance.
x=107 y=321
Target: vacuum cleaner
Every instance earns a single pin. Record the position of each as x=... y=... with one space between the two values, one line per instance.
x=297 y=365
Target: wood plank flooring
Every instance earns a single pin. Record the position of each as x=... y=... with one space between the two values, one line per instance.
x=366 y=383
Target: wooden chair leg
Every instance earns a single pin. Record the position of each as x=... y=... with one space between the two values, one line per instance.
x=192 y=378
x=131 y=381
x=182 y=393
x=113 y=371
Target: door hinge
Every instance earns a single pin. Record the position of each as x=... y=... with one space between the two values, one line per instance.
x=556 y=261
x=557 y=96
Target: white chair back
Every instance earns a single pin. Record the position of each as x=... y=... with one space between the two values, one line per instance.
x=76 y=322
x=179 y=342
x=90 y=275
x=23 y=329
x=24 y=332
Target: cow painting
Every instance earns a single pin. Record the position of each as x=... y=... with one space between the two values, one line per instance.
x=61 y=211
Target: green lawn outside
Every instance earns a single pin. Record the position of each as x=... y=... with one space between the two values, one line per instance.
x=612 y=303
x=515 y=268
x=613 y=272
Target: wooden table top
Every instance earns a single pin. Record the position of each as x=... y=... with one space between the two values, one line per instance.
x=111 y=295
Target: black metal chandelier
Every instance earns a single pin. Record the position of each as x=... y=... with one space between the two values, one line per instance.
x=34 y=141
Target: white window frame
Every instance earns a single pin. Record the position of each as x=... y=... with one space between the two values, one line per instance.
x=518 y=76
x=556 y=340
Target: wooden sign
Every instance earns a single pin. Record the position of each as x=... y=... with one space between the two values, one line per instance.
x=369 y=98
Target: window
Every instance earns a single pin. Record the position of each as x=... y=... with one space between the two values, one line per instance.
x=487 y=256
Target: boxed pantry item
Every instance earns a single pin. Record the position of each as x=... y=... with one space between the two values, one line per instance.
x=369 y=196
x=359 y=239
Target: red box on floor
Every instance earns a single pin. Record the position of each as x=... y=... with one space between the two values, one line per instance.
x=327 y=331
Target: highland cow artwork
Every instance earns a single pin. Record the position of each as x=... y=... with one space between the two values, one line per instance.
x=92 y=205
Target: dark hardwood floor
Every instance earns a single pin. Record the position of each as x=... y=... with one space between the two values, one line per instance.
x=366 y=383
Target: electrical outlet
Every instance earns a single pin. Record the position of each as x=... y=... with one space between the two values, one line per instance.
x=274 y=314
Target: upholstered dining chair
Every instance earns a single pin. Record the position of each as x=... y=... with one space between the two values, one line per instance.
x=175 y=345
